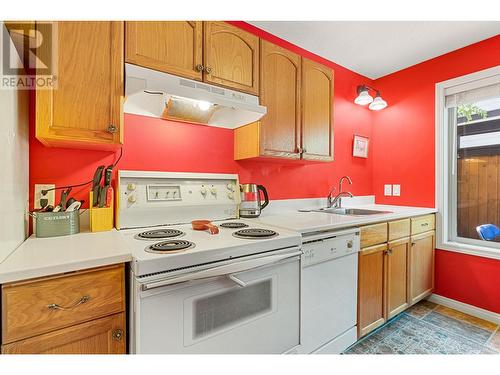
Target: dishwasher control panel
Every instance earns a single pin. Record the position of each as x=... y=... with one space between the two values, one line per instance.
x=329 y=245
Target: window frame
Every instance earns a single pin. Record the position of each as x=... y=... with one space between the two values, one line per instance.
x=446 y=238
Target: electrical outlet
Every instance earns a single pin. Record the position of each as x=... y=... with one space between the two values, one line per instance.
x=387 y=190
x=396 y=190
x=38 y=194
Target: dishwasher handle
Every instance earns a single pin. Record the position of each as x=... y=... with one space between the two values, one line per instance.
x=225 y=270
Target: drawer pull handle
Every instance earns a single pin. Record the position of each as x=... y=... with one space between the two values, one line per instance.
x=425 y=224
x=117 y=334
x=81 y=301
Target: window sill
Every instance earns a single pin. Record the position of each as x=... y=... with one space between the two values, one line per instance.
x=481 y=251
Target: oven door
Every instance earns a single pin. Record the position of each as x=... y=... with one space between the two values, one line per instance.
x=249 y=306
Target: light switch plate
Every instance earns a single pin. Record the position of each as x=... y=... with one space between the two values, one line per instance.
x=38 y=194
x=396 y=190
x=387 y=190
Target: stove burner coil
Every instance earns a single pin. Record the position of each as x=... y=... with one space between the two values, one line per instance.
x=255 y=233
x=170 y=246
x=233 y=225
x=159 y=234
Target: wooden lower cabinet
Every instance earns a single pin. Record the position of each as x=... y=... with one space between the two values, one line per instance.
x=80 y=312
x=371 y=294
x=100 y=336
x=397 y=288
x=395 y=274
x=422 y=265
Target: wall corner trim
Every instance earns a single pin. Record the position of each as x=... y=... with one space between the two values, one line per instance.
x=466 y=308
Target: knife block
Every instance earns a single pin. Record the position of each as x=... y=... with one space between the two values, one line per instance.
x=101 y=219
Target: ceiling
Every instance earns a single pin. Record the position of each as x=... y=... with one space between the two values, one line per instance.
x=377 y=48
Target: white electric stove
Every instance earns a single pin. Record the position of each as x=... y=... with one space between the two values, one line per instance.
x=237 y=291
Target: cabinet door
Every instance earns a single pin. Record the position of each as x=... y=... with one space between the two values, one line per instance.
x=397 y=290
x=100 y=336
x=280 y=92
x=422 y=265
x=371 y=309
x=231 y=57
x=85 y=110
x=317 y=111
x=174 y=47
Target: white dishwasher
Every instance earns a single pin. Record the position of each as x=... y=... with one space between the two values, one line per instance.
x=329 y=291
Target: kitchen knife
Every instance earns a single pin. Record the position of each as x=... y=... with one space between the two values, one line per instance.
x=96 y=185
x=102 y=196
x=103 y=193
x=64 y=197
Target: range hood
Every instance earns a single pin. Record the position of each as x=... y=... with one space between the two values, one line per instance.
x=157 y=94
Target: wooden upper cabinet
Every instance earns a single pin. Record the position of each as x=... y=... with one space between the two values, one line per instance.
x=231 y=57
x=173 y=47
x=317 y=111
x=280 y=92
x=85 y=109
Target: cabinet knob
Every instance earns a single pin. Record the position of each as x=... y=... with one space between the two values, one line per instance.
x=112 y=129
x=208 y=70
x=200 y=68
x=118 y=334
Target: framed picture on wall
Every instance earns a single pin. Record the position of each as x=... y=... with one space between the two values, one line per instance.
x=360 y=146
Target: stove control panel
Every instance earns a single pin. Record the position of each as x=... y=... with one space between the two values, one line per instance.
x=154 y=198
x=183 y=192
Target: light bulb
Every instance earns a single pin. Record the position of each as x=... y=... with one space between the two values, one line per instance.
x=363 y=97
x=203 y=105
x=378 y=103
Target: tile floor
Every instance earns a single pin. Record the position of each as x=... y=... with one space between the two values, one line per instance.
x=427 y=328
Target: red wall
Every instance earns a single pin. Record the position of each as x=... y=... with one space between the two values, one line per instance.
x=154 y=144
x=403 y=152
x=467 y=278
x=403 y=133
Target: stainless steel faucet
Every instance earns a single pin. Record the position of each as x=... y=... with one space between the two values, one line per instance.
x=336 y=201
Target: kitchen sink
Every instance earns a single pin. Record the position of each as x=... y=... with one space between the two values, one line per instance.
x=350 y=211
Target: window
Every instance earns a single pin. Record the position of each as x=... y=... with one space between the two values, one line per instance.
x=468 y=161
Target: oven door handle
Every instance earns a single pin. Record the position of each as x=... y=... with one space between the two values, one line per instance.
x=225 y=270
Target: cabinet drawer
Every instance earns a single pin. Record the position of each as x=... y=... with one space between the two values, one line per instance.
x=422 y=224
x=373 y=234
x=399 y=229
x=38 y=306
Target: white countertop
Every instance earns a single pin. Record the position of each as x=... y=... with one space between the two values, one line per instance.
x=37 y=257
x=305 y=222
